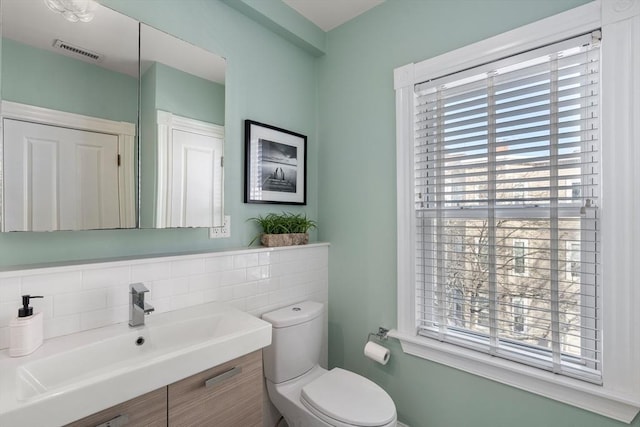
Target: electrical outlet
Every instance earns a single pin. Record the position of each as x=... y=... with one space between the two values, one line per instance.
x=221 y=232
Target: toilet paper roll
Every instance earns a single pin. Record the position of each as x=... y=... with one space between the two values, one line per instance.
x=377 y=353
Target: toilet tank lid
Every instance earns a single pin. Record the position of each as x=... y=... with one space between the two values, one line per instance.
x=294 y=314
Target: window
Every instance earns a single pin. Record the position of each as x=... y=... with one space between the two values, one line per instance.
x=519 y=248
x=518 y=311
x=480 y=132
x=532 y=118
x=573 y=260
x=575 y=190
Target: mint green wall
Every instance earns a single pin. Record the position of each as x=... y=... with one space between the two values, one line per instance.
x=268 y=79
x=42 y=78
x=357 y=206
x=189 y=96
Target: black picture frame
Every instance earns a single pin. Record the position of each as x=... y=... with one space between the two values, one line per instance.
x=275 y=165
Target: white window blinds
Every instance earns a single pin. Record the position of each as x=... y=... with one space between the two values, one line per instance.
x=506 y=194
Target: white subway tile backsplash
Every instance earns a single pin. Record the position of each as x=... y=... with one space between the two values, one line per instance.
x=10 y=289
x=266 y=258
x=105 y=277
x=245 y=290
x=99 y=318
x=62 y=325
x=258 y=273
x=187 y=267
x=89 y=296
x=204 y=282
x=8 y=310
x=222 y=294
x=117 y=295
x=240 y=304
x=288 y=256
x=233 y=277
x=4 y=337
x=245 y=260
x=43 y=305
x=267 y=285
x=79 y=302
x=160 y=305
x=163 y=288
x=150 y=271
x=219 y=263
x=254 y=302
x=168 y=287
x=50 y=284
x=296 y=279
x=187 y=300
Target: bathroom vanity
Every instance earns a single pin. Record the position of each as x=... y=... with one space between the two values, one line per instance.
x=226 y=395
x=200 y=365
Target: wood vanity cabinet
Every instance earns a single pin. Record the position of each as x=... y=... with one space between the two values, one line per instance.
x=228 y=395
x=147 y=410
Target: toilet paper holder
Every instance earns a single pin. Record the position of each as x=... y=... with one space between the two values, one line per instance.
x=381 y=334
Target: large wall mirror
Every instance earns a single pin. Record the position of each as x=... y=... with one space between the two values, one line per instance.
x=69 y=118
x=181 y=133
x=81 y=100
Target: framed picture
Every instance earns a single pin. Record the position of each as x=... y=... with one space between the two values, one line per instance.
x=275 y=165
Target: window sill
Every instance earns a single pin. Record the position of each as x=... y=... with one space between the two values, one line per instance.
x=583 y=395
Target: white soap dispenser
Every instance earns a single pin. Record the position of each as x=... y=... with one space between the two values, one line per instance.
x=26 y=330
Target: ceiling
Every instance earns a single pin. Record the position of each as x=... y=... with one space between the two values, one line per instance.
x=329 y=14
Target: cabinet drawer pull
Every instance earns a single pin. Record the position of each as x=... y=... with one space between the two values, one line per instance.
x=211 y=382
x=119 y=421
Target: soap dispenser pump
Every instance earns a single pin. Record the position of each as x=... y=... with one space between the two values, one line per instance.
x=26 y=330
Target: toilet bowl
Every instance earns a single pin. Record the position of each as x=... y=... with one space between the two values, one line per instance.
x=308 y=395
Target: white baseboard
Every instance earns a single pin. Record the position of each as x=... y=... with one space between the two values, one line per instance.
x=402 y=424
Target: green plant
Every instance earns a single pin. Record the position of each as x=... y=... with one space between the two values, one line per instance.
x=283 y=223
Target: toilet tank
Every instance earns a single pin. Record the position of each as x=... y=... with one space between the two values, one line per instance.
x=296 y=340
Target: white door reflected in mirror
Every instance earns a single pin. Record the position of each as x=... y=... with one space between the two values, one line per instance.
x=65 y=171
x=59 y=179
x=190 y=172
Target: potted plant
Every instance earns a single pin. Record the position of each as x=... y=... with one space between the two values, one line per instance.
x=284 y=229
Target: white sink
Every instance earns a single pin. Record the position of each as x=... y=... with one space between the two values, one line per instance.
x=125 y=362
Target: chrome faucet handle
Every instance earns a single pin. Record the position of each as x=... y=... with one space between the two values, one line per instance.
x=147 y=308
x=138 y=288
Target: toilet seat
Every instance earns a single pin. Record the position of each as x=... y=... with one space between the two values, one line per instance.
x=348 y=399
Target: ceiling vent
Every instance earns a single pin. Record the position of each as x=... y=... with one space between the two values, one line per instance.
x=77 y=51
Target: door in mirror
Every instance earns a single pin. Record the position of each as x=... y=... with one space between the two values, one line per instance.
x=182 y=133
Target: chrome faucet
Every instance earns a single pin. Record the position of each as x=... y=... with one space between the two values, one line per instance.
x=138 y=308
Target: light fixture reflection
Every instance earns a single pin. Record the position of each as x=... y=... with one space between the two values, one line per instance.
x=73 y=10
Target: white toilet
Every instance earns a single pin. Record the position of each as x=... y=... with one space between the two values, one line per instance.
x=308 y=395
